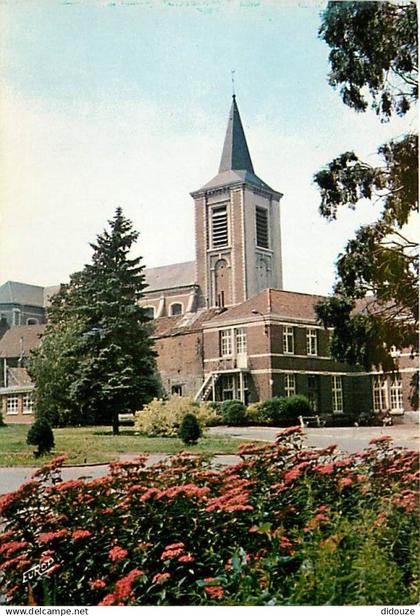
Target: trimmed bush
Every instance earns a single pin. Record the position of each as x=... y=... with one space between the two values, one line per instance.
x=295 y=406
x=189 y=431
x=41 y=435
x=164 y=417
x=272 y=412
x=233 y=412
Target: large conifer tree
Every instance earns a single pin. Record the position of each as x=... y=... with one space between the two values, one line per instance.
x=97 y=357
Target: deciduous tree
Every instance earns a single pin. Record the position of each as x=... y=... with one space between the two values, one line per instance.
x=373 y=62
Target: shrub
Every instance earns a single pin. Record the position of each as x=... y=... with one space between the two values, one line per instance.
x=189 y=431
x=305 y=527
x=233 y=412
x=2 y=424
x=41 y=434
x=271 y=412
x=164 y=417
x=295 y=406
x=253 y=415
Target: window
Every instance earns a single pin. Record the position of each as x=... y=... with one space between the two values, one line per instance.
x=288 y=340
x=12 y=405
x=337 y=394
x=176 y=309
x=219 y=227
x=289 y=385
x=176 y=390
x=313 y=391
x=228 y=387
x=149 y=312
x=240 y=337
x=261 y=222
x=32 y=321
x=226 y=342
x=28 y=404
x=380 y=393
x=396 y=394
x=17 y=315
x=311 y=342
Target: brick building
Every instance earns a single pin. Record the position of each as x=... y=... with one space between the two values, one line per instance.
x=223 y=325
x=224 y=328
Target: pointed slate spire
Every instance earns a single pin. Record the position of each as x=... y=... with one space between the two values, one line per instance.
x=235 y=153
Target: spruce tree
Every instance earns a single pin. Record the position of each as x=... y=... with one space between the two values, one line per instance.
x=110 y=352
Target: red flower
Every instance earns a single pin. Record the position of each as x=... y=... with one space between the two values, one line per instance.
x=97 y=584
x=380 y=439
x=215 y=592
x=288 y=432
x=81 y=534
x=325 y=469
x=117 y=553
x=108 y=600
x=186 y=558
x=123 y=587
x=291 y=475
x=11 y=547
x=345 y=482
x=47 y=537
x=160 y=578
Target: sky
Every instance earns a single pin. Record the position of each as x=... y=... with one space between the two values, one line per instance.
x=125 y=103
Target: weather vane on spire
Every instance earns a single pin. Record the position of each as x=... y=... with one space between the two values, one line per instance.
x=233 y=82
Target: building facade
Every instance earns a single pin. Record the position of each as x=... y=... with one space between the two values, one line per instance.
x=224 y=328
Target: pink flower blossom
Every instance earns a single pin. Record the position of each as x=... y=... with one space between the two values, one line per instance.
x=117 y=553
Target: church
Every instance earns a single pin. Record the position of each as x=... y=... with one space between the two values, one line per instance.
x=223 y=326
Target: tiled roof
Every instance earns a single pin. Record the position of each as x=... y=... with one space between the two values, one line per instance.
x=182 y=324
x=273 y=302
x=170 y=276
x=20 y=339
x=12 y=292
x=18 y=376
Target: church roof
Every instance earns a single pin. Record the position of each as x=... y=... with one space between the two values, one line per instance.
x=170 y=276
x=235 y=164
x=12 y=292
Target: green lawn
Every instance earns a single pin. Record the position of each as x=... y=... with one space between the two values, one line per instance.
x=97 y=444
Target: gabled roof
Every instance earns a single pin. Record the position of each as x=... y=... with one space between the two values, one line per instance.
x=273 y=302
x=235 y=164
x=18 y=376
x=170 y=276
x=20 y=340
x=12 y=292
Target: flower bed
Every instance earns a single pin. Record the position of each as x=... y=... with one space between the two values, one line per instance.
x=287 y=525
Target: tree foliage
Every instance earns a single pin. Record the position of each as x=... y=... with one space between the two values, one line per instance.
x=96 y=359
x=375 y=304
x=41 y=435
x=373 y=54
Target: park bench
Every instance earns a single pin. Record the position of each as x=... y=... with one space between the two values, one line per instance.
x=311 y=421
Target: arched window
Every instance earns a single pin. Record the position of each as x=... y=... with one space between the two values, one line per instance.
x=149 y=311
x=175 y=309
x=222 y=283
x=32 y=322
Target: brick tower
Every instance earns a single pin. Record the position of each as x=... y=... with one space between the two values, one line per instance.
x=237 y=227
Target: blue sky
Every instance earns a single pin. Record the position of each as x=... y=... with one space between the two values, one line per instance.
x=125 y=103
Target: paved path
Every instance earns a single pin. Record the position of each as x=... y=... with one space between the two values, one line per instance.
x=347 y=439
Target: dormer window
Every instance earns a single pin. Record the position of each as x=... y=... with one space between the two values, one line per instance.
x=175 y=309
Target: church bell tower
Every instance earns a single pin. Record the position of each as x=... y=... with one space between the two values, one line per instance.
x=237 y=227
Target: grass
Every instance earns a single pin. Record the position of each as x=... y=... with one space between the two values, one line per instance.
x=96 y=444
